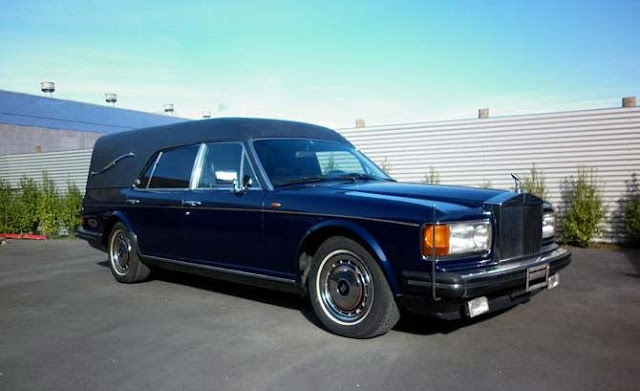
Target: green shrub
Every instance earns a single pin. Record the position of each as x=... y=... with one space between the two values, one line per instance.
x=432 y=178
x=72 y=203
x=26 y=206
x=7 y=207
x=581 y=222
x=49 y=209
x=535 y=183
x=632 y=211
x=39 y=208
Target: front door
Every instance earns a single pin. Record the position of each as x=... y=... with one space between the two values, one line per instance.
x=223 y=212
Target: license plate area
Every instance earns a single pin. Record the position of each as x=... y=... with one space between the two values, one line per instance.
x=537 y=277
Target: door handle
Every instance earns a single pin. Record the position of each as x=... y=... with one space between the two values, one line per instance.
x=131 y=201
x=191 y=203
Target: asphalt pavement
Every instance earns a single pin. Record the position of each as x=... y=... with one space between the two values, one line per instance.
x=66 y=324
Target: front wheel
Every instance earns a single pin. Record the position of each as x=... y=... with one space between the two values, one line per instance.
x=349 y=292
x=124 y=259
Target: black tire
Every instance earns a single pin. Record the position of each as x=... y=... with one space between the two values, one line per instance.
x=124 y=257
x=349 y=292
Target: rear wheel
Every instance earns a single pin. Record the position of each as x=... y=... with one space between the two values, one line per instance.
x=349 y=292
x=124 y=259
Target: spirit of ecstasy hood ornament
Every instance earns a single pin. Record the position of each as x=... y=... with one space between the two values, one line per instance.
x=516 y=179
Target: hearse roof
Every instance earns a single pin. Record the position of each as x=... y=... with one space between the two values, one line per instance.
x=143 y=143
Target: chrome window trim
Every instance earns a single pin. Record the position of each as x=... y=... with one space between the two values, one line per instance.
x=153 y=169
x=112 y=163
x=196 y=170
x=263 y=173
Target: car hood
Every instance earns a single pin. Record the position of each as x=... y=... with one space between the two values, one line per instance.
x=465 y=196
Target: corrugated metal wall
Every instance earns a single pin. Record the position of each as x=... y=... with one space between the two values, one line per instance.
x=63 y=167
x=479 y=151
x=465 y=152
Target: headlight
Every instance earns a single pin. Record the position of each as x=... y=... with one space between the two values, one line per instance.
x=456 y=238
x=548 y=225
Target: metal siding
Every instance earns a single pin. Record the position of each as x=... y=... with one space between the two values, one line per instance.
x=62 y=167
x=470 y=152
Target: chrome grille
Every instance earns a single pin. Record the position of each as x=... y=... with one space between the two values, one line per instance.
x=518 y=225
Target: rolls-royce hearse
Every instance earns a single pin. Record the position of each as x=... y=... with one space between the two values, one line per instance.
x=297 y=207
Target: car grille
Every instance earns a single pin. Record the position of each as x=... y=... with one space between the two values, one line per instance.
x=518 y=226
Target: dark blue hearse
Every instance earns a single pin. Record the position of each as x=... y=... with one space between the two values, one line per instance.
x=293 y=206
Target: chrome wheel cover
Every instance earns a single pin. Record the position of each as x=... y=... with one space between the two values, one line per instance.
x=344 y=287
x=120 y=252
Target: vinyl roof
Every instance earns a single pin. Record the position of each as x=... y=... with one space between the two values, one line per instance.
x=143 y=143
x=39 y=111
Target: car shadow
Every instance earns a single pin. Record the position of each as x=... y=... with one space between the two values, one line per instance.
x=409 y=323
x=104 y=263
x=248 y=292
x=425 y=325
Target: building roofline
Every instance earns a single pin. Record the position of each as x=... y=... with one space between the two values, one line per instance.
x=3 y=91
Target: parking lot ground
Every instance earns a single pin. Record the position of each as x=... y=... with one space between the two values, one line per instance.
x=65 y=324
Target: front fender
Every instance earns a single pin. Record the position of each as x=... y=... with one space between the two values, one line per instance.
x=366 y=238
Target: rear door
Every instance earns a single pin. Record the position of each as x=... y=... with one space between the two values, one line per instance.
x=155 y=203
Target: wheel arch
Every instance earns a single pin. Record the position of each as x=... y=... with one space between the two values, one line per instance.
x=111 y=219
x=319 y=233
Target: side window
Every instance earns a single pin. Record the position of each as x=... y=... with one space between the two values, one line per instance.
x=173 y=169
x=221 y=166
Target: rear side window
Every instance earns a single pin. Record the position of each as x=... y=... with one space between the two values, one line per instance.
x=173 y=169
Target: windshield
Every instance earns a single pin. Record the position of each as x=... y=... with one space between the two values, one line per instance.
x=288 y=161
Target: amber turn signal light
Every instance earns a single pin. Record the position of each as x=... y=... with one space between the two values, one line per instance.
x=438 y=240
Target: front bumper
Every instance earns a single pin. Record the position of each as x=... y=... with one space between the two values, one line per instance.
x=503 y=285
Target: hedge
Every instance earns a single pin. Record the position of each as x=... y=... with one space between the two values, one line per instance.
x=39 y=208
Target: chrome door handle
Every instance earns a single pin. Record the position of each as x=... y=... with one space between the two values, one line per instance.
x=191 y=203
x=132 y=201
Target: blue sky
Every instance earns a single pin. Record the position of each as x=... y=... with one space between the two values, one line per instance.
x=327 y=62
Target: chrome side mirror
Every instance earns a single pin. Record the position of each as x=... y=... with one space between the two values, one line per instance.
x=238 y=188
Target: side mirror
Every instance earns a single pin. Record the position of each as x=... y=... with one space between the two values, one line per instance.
x=247 y=182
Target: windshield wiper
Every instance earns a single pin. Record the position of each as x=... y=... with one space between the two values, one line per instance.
x=316 y=178
x=356 y=176
x=304 y=179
